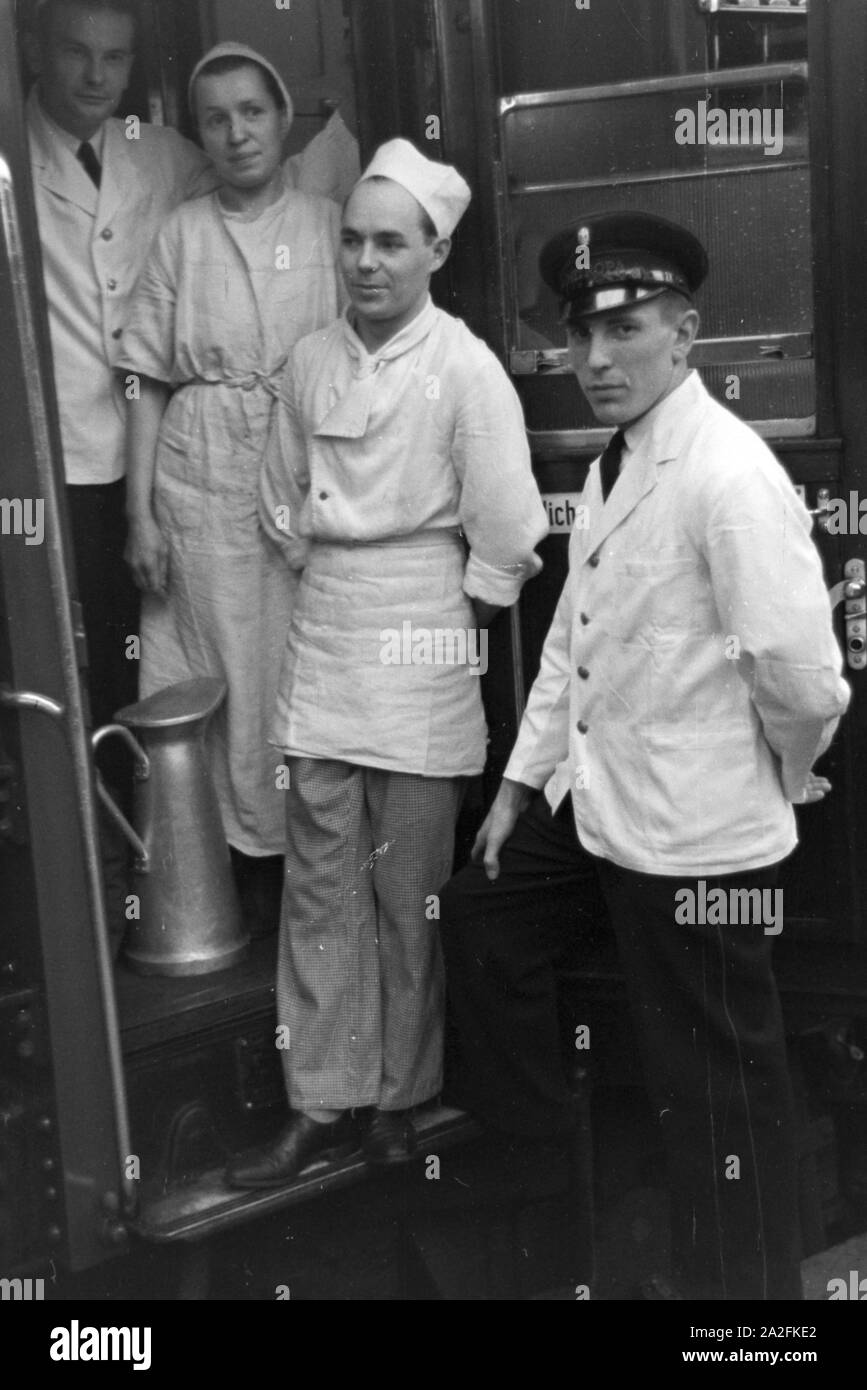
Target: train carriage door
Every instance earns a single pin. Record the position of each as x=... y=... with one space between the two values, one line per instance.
x=746 y=123
x=63 y=1143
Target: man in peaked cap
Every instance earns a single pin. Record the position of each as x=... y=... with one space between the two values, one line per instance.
x=688 y=683
x=399 y=445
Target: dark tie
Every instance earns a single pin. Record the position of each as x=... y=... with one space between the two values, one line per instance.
x=86 y=156
x=609 y=463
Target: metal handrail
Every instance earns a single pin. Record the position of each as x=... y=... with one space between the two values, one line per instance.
x=71 y=715
x=749 y=76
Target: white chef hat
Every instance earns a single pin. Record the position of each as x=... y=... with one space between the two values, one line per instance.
x=249 y=55
x=439 y=188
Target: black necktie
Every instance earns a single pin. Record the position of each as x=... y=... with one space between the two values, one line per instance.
x=86 y=156
x=609 y=463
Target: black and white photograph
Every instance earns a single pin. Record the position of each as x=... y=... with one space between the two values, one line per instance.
x=433 y=634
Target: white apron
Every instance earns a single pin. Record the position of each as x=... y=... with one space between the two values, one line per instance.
x=382 y=666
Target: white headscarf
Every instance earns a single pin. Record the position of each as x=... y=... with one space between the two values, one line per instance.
x=249 y=55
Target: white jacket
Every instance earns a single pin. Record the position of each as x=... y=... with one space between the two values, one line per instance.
x=691 y=675
x=94 y=244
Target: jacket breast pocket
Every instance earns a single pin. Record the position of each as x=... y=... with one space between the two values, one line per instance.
x=671 y=594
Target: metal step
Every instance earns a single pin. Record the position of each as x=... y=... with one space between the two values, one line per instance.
x=207 y=1206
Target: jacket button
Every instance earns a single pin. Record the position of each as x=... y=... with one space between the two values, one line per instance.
x=584 y=620
x=117 y=333
x=583 y=672
x=594 y=560
x=582 y=727
x=323 y=496
x=106 y=234
x=112 y=284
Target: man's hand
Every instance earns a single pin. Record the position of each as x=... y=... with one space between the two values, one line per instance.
x=499 y=824
x=147 y=555
x=816 y=788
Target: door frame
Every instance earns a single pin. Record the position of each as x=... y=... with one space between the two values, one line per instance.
x=68 y=1086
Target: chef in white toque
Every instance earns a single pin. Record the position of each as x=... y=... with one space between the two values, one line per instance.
x=398 y=477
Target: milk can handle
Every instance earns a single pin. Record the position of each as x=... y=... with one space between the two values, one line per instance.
x=142 y=770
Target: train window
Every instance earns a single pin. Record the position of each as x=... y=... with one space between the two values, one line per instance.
x=722 y=149
x=767 y=31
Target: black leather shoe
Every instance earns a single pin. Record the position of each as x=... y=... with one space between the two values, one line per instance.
x=390 y=1138
x=302 y=1141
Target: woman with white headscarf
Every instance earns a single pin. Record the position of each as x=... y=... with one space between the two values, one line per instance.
x=234 y=279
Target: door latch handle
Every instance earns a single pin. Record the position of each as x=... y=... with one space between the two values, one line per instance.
x=854 y=597
x=847 y=589
x=822 y=508
x=27 y=699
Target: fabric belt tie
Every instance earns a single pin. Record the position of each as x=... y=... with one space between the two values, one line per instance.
x=248 y=381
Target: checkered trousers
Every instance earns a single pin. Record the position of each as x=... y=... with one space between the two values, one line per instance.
x=360 y=976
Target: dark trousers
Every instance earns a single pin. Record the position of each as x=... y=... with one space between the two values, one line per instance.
x=110 y=610
x=108 y=597
x=708 y=1027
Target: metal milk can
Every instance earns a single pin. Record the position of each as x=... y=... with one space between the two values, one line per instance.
x=190 y=917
